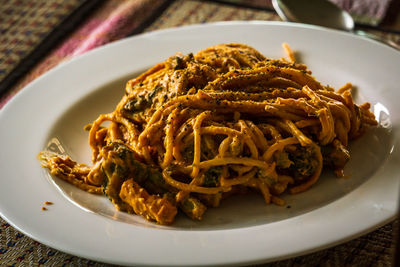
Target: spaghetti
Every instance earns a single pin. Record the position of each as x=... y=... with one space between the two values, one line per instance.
x=196 y=129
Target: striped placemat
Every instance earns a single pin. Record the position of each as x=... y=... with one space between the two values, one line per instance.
x=28 y=29
x=24 y=24
x=130 y=17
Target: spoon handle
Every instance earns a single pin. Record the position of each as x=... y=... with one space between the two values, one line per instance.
x=378 y=38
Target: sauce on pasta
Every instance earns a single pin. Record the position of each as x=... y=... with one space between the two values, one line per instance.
x=195 y=129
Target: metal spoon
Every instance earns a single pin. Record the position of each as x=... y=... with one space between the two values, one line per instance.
x=322 y=13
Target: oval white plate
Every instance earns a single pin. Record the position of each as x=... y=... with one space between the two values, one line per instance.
x=243 y=230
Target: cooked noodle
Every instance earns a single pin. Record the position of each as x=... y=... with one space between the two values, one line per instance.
x=195 y=129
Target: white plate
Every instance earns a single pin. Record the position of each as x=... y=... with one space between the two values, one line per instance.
x=242 y=230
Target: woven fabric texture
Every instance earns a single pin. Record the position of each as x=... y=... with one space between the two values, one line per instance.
x=114 y=20
x=24 y=24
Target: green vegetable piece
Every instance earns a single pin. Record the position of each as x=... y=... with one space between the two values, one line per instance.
x=212 y=176
x=304 y=162
x=137 y=104
x=178 y=63
x=119 y=164
x=193 y=208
